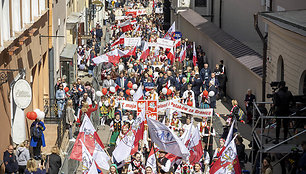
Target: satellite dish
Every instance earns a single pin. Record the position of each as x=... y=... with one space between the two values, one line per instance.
x=97 y=3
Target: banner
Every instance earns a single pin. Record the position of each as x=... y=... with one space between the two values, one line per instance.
x=150 y=106
x=131 y=42
x=136 y=12
x=128 y=105
x=165 y=43
x=184 y=108
x=159 y=10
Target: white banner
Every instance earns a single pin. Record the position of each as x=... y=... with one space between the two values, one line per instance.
x=165 y=43
x=131 y=42
x=159 y=10
x=128 y=105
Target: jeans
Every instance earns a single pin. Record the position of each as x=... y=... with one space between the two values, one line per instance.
x=60 y=108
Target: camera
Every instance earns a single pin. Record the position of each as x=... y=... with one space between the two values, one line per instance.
x=274 y=86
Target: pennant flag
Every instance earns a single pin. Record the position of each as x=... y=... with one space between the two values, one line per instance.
x=166 y=140
x=138 y=94
x=120 y=40
x=151 y=161
x=228 y=161
x=195 y=59
x=126 y=26
x=183 y=53
x=194 y=145
x=145 y=51
x=129 y=143
x=169 y=33
x=87 y=160
x=170 y=55
x=89 y=137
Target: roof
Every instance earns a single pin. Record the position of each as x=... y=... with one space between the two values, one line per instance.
x=294 y=21
x=243 y=53
x=68 y=52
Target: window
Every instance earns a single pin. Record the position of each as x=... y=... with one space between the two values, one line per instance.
x=302 y=90
x=280 y=69
x=201 y=3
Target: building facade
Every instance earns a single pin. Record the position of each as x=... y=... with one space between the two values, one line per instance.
x=22 y=47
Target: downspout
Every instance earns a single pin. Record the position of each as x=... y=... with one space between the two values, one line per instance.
x=264 y=56
x=51 y=62
x=220 y=14
x=212 y=11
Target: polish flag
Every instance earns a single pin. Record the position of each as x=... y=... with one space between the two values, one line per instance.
x=138 y=94
x=130 y=142
x=145 y=51
x=195 y=59
x=169 y=33
x=126 y=26
x=134 y=22
x=132 y=52
x=120 y=40
x=177 y=43
x=87 y=160
x=89 y=139
x=170 y=55
x=113 y=56
x=151 y=161
x=192 y=140
x=228 y=161
x=183 y=54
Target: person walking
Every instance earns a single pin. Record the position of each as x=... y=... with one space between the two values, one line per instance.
x=53 y=161
x=70 y=117
x=60 y=100
x=9 y=160
x=37 y=137
x=23 y=155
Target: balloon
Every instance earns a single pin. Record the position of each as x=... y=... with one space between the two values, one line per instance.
x=31 y=115
x=189 y=103
x=66 y=89
x=164 y=91
x=132 y=92
x=130 y=85
x=171 y=88
x=211 y=93
x=112 y=89
x=205 y=93
x=128 y=92
x=99 y=93
x=104 y=91
x=40 y=114
x=169 y=92
x=135 y=86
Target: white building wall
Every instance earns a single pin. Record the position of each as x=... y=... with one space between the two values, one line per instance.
x=16 y=19
x=26 y=15
x=6 y=20
x=34 y=8
x=42 y=5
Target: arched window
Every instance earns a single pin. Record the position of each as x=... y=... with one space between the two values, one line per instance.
x=280 y=69
x=302 y=90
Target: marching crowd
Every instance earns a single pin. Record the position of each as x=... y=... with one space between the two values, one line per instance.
x=181 y=73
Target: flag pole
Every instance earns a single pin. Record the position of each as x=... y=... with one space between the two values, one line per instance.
x=209 y=134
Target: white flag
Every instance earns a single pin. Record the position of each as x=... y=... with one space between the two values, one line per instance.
x=230 y=134
x=166 y=140
x=101 y=157
x=138 y=94
x=87 y=160
x=151 y=161
x=170 y=31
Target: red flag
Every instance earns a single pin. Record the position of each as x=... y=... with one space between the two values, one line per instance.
x=120 y=40
x=192 y=140
x=195 y=59
x=177 y=42
x=145 y=51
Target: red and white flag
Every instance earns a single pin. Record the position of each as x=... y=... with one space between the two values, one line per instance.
x=177 y=42
x=113 y=56
x=166 y=139
x=228 y=161
x=120 y=40
x=194 y=59
x=145 y=51
x=170 y=55
x=126 y=26
x=87 y=160
x=151 y=161
x=89 y=137
x=193 y=143
x=169 y=33
x=138 y=94
x=183 y=53
x=129 y=143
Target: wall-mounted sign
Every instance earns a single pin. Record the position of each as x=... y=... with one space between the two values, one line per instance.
x=22 y=93
x=177 y=35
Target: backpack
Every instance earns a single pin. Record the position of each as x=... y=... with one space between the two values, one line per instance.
x=36 y=132
x=241 y=114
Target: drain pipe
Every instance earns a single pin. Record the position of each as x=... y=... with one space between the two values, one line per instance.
x=212 y=11
x=264 y=56
x=220 y=15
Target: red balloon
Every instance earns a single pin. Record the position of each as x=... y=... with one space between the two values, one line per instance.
x=104 y=91
x=130 y=85
x=31 y=115
x=128 y=92
x=169 y=92
x=189 y=103
x=205 y=93
x=66 y=89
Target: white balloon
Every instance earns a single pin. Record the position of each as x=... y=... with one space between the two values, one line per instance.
x=171 y=88
x=135 y=86
x=99 y=93
x=164 y=91
x=211 y=93
x=40 y=114
x=112 y=89
x=132 y=92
